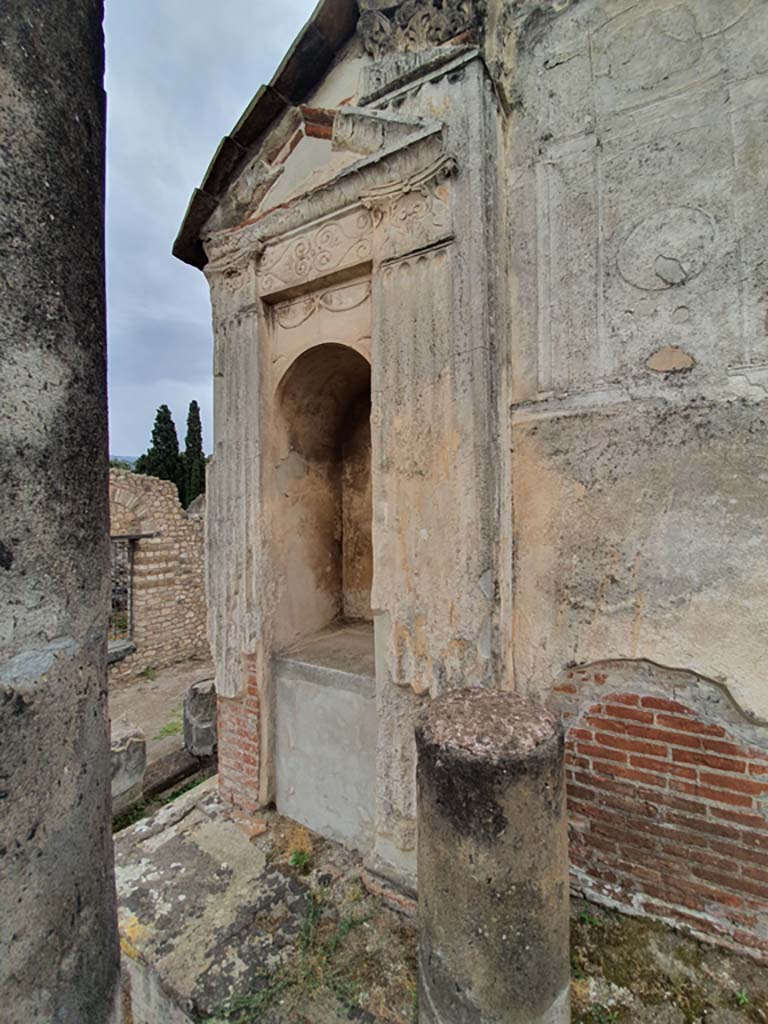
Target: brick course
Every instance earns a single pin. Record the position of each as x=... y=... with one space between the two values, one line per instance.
x=239 y=724
x=668 y=808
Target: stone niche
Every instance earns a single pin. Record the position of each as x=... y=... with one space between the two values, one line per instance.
x=318 y=493
x=321 y=500
x=351 y=529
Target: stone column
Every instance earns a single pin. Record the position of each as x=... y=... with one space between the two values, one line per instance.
x=59 y=956
x=492 y=862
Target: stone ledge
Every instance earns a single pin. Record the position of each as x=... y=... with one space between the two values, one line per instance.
x=213 y=907
x=117 y=650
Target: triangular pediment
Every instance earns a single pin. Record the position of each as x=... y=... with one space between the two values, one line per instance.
x=314 y=120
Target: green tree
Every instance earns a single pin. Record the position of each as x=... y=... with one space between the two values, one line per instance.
x=162 y=458
x=194 y=458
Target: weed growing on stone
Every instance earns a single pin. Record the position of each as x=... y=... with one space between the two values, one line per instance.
x=586 y=918
x=644 y=966
x=172 y=728
x=185 y=787
x=301 y=860
x=602 y=1015
x=146 y=807
x=317 y=965
x=129 y=817
x=148 y=673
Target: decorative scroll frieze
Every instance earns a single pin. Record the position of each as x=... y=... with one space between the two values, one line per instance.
x=335 y=244
x=295 y=312
x=414 y=212
x=388 y=26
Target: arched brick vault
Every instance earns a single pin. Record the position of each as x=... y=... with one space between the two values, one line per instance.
x=130 y=501
x=668 y=799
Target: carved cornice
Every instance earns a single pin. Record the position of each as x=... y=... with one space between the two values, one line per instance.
x=413 y=213
x=389 y=26
x=422 y=181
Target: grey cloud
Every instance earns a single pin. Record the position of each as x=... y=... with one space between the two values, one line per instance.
x=179 y=74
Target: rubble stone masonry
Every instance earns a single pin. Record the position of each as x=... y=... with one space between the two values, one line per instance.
x=168 y=621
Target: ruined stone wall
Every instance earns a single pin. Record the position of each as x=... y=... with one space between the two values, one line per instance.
x=168 y=594
x=637 y=145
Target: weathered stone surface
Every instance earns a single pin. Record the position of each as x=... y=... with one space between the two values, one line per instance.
x=200 y=718
x=637 y=969
x=58 y=941
x=493 y=862
x=213 y=908
x=128 y=757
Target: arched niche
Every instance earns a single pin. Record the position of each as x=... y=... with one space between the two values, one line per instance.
x=322 y=486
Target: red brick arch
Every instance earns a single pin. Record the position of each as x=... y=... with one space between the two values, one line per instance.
x=668 y=800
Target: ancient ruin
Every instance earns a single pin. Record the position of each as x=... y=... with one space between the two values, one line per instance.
x=158 y=594
x=530 y=237
x=490 y=305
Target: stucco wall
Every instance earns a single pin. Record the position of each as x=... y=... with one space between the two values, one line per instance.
x=168 y=594
x=639 y=349
x=637 y=157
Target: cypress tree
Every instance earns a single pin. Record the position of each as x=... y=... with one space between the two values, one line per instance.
x=162 y=458
x=194 y=459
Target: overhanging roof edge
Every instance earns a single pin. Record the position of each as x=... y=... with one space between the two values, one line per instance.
x=313 y=51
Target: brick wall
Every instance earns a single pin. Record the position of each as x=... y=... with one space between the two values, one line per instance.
x=239 y=727
x=168 y=594
x=668 y=801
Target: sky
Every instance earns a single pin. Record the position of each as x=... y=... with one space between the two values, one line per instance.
x=179 y=75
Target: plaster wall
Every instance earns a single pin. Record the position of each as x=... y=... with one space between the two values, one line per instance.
x=635 y=199
x=637 y=155
x=325 y=741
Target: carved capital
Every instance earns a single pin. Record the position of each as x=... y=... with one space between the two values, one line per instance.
x=231 y=274
x=388 y=26
x=232 y=252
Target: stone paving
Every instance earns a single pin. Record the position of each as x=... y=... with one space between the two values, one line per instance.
x=255 y=920
x=259 y=920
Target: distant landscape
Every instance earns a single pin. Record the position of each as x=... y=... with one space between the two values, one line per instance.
x=130 y=459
